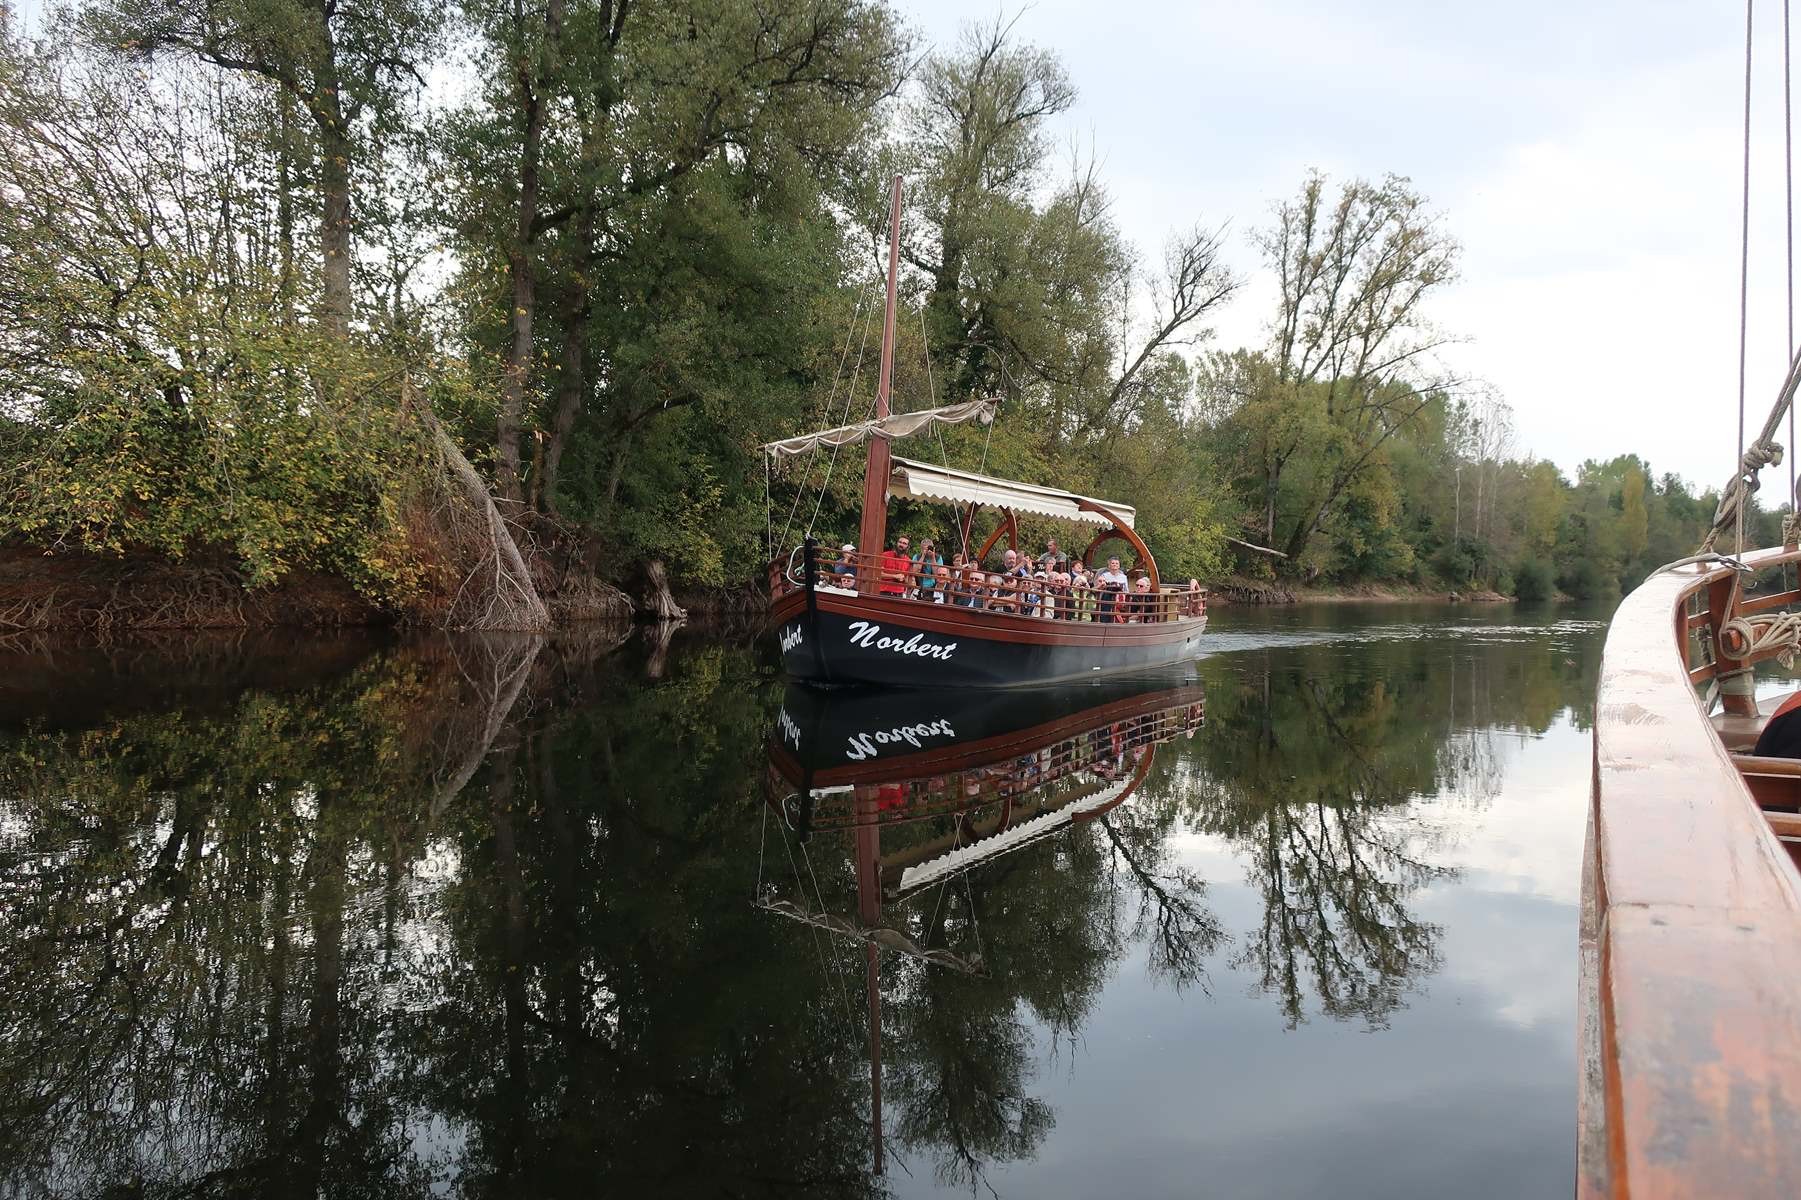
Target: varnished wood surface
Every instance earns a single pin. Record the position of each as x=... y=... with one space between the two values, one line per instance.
x=1740 y=733
x=1691 y=956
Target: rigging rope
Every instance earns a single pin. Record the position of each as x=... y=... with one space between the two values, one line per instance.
x=1744 y=276
x=932 y=388
x=762 y=843
x=1788 y=180
x=873 y=399
x=1758 y=455
x=850 y=333
x=818 y=939
x=837 y=967
x=944 y=454
x=832 y=464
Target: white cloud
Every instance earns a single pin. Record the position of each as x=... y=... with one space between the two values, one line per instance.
x=1587 y=157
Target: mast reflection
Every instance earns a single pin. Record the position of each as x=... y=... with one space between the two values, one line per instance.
x=927 y=787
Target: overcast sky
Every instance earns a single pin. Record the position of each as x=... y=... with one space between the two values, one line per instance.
x=1587 y=156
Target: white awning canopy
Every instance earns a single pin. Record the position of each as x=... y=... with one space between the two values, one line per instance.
x=983 y=849
x=923 y=481
x=897 y=425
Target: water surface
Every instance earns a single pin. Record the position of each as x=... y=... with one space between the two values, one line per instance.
x=508 y=917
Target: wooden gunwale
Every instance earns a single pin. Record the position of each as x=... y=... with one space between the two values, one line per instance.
x=1690 y=992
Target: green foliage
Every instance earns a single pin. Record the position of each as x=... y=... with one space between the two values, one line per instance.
x=1586 y=579
x=1532 y=580
x=640 y=245
x=1460 y=562
x=159 y=400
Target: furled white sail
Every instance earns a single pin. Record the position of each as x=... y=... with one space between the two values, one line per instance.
x=897 y=425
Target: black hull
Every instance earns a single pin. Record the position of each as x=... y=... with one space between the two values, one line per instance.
x=886 y=642
x=858 y=735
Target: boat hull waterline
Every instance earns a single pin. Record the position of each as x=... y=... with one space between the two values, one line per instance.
x=843 y=638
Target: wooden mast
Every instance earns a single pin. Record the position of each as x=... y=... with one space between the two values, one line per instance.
x=872 y=539
x=869 y=917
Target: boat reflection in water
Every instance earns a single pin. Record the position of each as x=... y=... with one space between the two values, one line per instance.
x=927 y=787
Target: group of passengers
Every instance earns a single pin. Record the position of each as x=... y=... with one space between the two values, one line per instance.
x=1052 y=587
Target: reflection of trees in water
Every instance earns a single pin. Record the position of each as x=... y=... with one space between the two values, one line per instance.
x=1316 y=766
x=612 y=1011
x=479 y=917
x=1334 y=882
x=1155 y=899
x=963 y=1056
x=238 y=956
x=186 y=999
x=1049 y=921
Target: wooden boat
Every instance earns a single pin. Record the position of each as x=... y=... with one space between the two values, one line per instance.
x=874 y=632
x=1690 y=997
x=1689 y=1019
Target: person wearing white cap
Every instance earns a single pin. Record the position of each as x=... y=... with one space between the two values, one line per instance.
x=846 y=565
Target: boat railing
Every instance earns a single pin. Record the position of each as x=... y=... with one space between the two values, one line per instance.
x=1690 y=996
x=1000 y=593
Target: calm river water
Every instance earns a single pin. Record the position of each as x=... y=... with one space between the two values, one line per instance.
x=508 y=918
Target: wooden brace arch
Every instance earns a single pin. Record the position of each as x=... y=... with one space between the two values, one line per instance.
x=1126 y=534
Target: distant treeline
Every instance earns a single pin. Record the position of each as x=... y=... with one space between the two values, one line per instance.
x=268 y=298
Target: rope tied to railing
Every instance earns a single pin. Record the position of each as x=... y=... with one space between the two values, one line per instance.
x=1760 y=634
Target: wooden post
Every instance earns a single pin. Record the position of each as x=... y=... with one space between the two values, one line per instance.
x=874 y=533
x=1738 y=695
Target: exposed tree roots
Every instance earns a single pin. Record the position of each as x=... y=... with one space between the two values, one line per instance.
x=487 y=573
x=494 y=588
x=105 y=596
x=659 y=604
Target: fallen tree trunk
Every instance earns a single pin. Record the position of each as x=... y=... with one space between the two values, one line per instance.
x=496 y=589
x=658 y=601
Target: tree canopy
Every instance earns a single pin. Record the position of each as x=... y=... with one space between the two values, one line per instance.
x=478 y=305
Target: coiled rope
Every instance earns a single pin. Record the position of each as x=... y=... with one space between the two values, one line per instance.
x=1747 y=637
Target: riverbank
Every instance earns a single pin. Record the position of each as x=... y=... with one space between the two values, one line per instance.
x=56 y=592
x=1380 y=593
x=45 y=592
x=1240 y=590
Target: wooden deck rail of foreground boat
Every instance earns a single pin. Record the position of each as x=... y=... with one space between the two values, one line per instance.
x=1690 y=996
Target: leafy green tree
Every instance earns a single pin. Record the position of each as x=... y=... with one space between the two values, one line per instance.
x=1352 y=343
x=647 y=244
x=349 y=68
x=163 y=401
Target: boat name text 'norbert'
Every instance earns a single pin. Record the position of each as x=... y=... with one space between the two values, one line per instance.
x=862 y=633
x=863 y=745
x=790 y=638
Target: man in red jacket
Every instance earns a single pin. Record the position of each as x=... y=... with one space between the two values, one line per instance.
x=896 y=564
